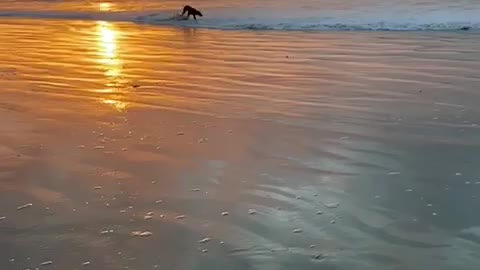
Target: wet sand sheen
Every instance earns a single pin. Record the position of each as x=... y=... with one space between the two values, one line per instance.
x=330 y=150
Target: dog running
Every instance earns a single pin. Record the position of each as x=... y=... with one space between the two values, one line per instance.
x=191 y=11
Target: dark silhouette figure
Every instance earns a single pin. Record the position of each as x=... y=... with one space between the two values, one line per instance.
x=191 y=11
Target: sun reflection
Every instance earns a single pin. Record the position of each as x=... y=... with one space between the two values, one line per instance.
x=117 y=104
x=105 y=6
x=110 y=61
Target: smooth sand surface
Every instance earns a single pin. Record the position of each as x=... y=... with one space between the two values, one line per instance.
x=327 y=150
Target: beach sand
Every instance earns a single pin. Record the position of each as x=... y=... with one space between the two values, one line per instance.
x=334 y=150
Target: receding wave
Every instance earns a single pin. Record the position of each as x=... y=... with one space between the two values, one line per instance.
x=226 y=22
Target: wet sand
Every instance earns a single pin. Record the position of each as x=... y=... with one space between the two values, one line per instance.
x=327 y=150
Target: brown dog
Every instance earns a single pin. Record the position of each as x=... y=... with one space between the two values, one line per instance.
x=191 y=11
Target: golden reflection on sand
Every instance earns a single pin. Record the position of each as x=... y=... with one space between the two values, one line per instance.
x=109 y=59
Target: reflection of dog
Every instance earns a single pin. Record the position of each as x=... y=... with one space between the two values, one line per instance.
x=191 y=11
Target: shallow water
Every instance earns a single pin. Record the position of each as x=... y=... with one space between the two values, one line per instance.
x=361 y=144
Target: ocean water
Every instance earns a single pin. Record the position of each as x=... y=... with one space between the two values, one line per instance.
x=230 y=146
x=311 y=15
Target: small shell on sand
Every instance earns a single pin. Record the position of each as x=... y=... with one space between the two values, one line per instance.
x=97 y=187
x=159 y=201
x=150 y=214
x=252 y=211
x=408 y=190
x=99 y=147
x=332 y=205
x=204 y=240
x=123 y=211
x=205 y=250
x=225 y=213
x=141 y=234
x=221 y=242
x=393 y=173
x=86 y=263
x=333 y=222
x=319 y=212
x=106 y=232
x=195 y=189
x=46 y=263
x=147 y=217
x=297 y=231
x=24 y=206
x=313 y=246
x=180 y=217
x=2 y=218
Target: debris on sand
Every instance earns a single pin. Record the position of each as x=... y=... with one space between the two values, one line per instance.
x=195 y=189
x=106 y=232
x=393 y=173
x=180 y=133
x=2 y=218
x=24 y=206
x=180 y=217
x=297 y=231
x=408 y=190
x=252 y=211
x=225 y=213
x=97 y=187
x=205 y=250
x=86 y=263
x=158 y=201
x=319 y=257
x=99 y=147
x=141 y=234
x=202 y=140
x=204 y=240
x=46 y=263
x=147 y=217
x=319 y=212
x=332 y=205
